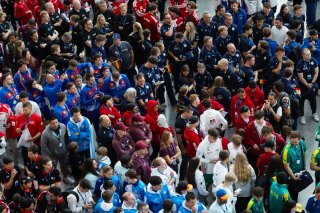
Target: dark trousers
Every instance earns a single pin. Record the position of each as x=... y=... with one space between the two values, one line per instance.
x=311 y=96
x=24 y=152
x=93 y=117
x=156 y=148
x=168 y=86
x=130 y=74
x=176 y=66
x=184 y=167
x=311 y=10
x=242 y=203
x=293 y=193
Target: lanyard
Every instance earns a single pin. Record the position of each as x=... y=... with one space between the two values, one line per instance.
x=83 y=199
x=224 y=210
x=47 y=179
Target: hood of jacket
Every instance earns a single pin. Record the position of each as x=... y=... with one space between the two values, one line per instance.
x=162 y=122
x=151 y=104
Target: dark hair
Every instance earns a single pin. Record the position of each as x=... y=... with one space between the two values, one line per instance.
x=182 y=185
x=213 y=132
x=45 y=160
x=192 y=167
x=69 y=85
x=27 y=104
x=167 y=205
x=88 y=167
x=125 y=159
x=190 y=196
x=105 y=98
x=248 y=57
x=247 y=27
x=187 y=109
x=131 y=173
x=140 y=205
x=279 y=86
x=85 y=184
x=49 y=64
x=155 y=180
x=264 y=44
x=260 y=17
x=292 y=34
x=280 y=49
x=151 y=7
x=88 y=76
x=61 y=96
x=288 y=206
x=34 y=149
x=258 y=114
x=220 y=6
x=175 y=10
x=275 y=166
x=25 y=202
x=224 y=154
x=23 y=94
x=258 y=191
x=74 y=110
x=179 y=35
x=7 y=159
x=108 y=184
x=107 y=195
x=282 y=178
x=118 y=210
x=206 y=103
x=287 y=72
x=252 y=84
x=21 y=62
x=56 y=191
x=295 y=134
x=153 y=60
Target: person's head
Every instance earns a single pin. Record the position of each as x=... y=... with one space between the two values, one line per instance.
x=84 y=185
x=23 y=97
x=193 y=122
x=102 y=6
x=46 y=164
x=221 y=10
x=27 y=109
x=231 y=48
x=142 y=207
x=229 y=178
x=129 y=198
x=107 y=172
x=207 y=40
x=213 y=135
x=187 y=112
x=71 y=88
x=22 y=64
x=55 y=193
x=278 y=22
x=100 y=40
x=263 y=46
x=7 y=79
x=107 y=196
x=104 y=121
x=206 y=104
x=140 y=79
x=201 y=68
x=290 y=206
x=55 y=49
x=222 y=196
x=78 y=81
x=306 y=54
x=167 y=206
x=191 y=6
x=245 y=112
x=61 y=97
x=275 y=165
x=259 y=20
x=224 y=155
x=131 y=176
x=167 y=18
x=76 y=115
x=141 y=148
x=115 y=75
x=120 y=129
x=236 y=139
x=182 y=188
x=234 y=5
x=194 y=99
x=87 y=23
x=179 y=37
x=266 y=131
x=72 y=147
x=166 y=138
x=272 y=98
x=268 y=145
x=241 y=94
x=45 y=18
x=206 y=17
x=317 y=192
x=130 y=95
x=185 y=70
x=160 y=163
x=107 y=101
x=193 y=165
x=228 y=19
x=259 y=117
x=313 y=34
x=258 y=193
x=33 y=152
x=156 y=183
x=247 y=29
x=102 y=152
x=101 y=20
x=266 y=32
x=8 y=163
x=223 y=30
x=291 y=35
x=90 y=79
x=109 y=185
x=282 y=178
x=250 y=60
x=284 y=9
x=295 y=138
x=278 y=87
x=191 y=200
x=26 y=204
x=266 y=8
x=126 y=161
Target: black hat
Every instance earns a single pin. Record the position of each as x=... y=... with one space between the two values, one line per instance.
x=313 y=32
x=268 y=144
x=244 y=109
x=193 y=119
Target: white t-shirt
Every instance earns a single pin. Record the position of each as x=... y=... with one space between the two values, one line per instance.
x=35 y=108
x=279 y=35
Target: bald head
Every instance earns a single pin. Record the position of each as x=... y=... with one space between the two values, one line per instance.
x=49 y=78
x=105 y=121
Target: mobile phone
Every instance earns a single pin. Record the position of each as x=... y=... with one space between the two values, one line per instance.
x=238 y=190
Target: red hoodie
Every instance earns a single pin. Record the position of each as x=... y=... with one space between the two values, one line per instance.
x=152 y=115
x=112 y=113
x=257 y=97
x=193 y=140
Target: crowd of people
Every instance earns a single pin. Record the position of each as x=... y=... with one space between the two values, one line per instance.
x=83 y=105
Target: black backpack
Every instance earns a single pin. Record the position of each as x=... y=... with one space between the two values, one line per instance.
x=66 y=193
x=295 y=53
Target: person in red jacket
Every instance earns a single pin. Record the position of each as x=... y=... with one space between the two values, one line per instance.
x=253 y=137
x=58 y=5
x=139 y=8
x=264 y=159
x=255 y=94
x=33 y=123
x=191 y=14
x=244 y=119
x=21 y=12
x=132 y=109
x=192 y=136
x=181 y=4
x=237 y=102
x=31 y=4
x=152 y=115
x=108 y=109
x=150 y=21
x=175 y=15
x=116 y=6
x=268 y=134
x=214 y=105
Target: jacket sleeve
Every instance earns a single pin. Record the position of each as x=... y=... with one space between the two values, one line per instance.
x=52 y=90
x=72 y=203
x=223 y=122
x=200 y=154
x=44 y=145
x=87 y=133
x=201 y=186
x=117 y=148
x=84 y=99
x=310 y=204
x=71 y=133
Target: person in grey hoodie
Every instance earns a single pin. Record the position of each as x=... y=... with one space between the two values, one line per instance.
x=53 y=145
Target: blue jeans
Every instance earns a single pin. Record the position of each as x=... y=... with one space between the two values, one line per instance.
x=311 y=13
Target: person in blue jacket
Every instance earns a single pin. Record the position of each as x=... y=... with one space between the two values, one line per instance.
x=73 y=99
x=79 y=131
x=36 y=94
x=23 y=75
x=8 y=92
x=109 y=185
x=209 y=55
x=239 y=15
x=191 y=205
x=106 y=206
x=51 y=69
x=313 y=44
x=99 y=66
x=156 y=193
x=61 y=110
x=107 y=174
x=90 y=101
x=291 y=44
x=75 y=68
x=313 y=204
x=179 y=196
x=206 y=27
x=134 y=185
x=52 y=88
x=116 y=85
x=272 y=43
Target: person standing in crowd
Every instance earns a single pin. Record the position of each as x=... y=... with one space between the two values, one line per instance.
x=122 y=141
x=8 y=92
x=238 y=14
x=313 y=203
x=80 y=198
x=123 y=23
x=220 y=205
x=141 y=161
x=61 y=110
x=279 y=193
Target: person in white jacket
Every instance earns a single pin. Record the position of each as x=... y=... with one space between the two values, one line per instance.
x=84 y=202
x=3 y=145
x=221 y=168
x=208 y=152
x=235 y=147
x=211 y=118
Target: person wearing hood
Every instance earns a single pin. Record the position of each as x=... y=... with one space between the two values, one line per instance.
x=151 y=119
x=211 y=119
x=106 y=206
x=191 y=204
x=79 y=130
x=208 y=152
x=129 y=204
x=139 y=130
x=156 y=193
x=163 y=125
x=132 y=109
x=122 y=142
x=141 y=161
x=192 y=136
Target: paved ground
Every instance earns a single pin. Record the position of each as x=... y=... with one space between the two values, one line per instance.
x=307 y=130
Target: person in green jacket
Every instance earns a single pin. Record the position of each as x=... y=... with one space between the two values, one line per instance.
x=279 y=193
x=315 y=164
x=256 y=202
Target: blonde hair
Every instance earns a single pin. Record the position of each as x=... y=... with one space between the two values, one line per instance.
x=223 y=61
x=138 y=28
x=102 y=151
x=242 y=168
x=98 y=21
x=190 y=35
x=164 y=142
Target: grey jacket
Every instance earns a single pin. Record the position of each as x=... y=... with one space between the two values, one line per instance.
x=54 y=145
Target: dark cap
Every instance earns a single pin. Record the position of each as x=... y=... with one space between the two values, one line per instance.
x=32 y=21
x=140 y=145
x=244 y=109
x=120 y=126
x=116 y=36
x=193 y=120
x=313 y=32
x=26 y=179
x=268 y=144
x=137 y=118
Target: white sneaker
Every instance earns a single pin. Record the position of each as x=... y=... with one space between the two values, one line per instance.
x=302 y=120
x=315 y=117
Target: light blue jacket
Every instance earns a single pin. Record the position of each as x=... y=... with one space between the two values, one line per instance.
x=80 y=133
x=155 y=199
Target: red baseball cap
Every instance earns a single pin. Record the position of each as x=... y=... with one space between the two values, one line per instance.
x=120 y=126
x=137 y=118
x=140 y=145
